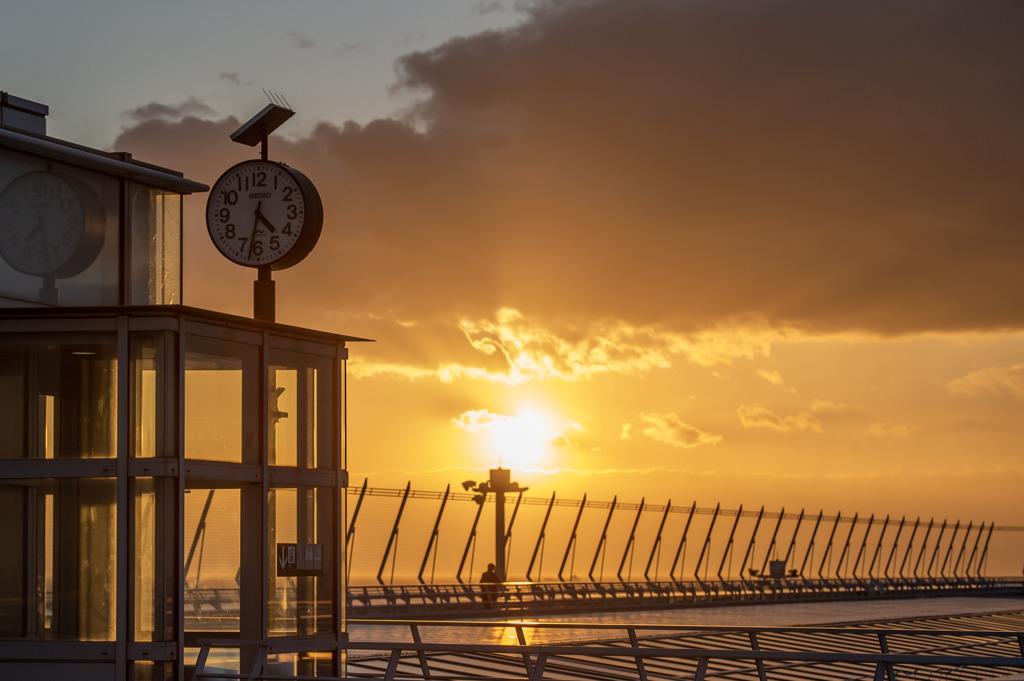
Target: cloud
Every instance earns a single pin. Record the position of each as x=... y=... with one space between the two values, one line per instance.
x=1008 y=379
x=671 y=430
x=514 y=348
x=191 y=107
x=675 y=167
x=300 y=40
x=891 y=430
x=757 y=416
x=476 y=420
x=773 y=377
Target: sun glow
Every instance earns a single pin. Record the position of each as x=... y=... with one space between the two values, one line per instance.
x=520 y=440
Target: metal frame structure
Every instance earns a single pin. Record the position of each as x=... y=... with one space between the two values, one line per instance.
x=649 y=652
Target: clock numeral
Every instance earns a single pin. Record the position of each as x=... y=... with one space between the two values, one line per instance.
x=231 y=197
x=257 y=248
x=293 y=212
x=224 y=214
x=287 y=229
x=229 y=231
x=287 y=194
x=260 y=180
x=275 y=243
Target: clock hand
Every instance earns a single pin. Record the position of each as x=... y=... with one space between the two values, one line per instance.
x=37 y=229
x=255 y=222
x=262 y=218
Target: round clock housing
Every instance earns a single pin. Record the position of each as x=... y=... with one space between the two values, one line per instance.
x=264 y=214
x=51 y=225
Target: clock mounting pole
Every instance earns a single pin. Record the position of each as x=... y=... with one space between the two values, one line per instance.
x=256 y=131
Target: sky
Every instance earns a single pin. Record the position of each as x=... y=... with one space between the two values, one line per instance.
x=726 y=251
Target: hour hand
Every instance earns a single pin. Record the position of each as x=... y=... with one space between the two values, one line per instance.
x=266 y=223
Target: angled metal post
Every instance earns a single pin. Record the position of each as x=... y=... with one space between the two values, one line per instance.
x=910 y=546
x=433 y=535
x=974 y=551
x=792 y=540
x=572 y=539
x=603 y=539
x=984 y=550
x=540 y=538
x=352 y=523
x=963 y=547
x=863 y=545
x=657 y=540
x=728 y=544
x=508 y=536
x=472 y=536
x=771 y=544
x=810 y=543
x=938 y=545
x=394 y=532
x=707 y=541
x=924 y=546
x=629 y=542
x=895 y=545
x=750 y=544
x=878 y=548
x=952 y=540
x=682 y=542
x=828 y=547
x=846 y=547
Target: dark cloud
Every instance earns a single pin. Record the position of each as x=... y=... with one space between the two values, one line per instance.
x=300 y=40
x=828 y=165
x=169 y=112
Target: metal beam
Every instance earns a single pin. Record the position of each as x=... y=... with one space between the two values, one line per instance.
x=963 y=547
x=895 y=545
x=572 y=539
x=472 y=535
x=938 y=545
x=394 y=533
x=603 y=539
x=540 y=538
x=629 y=542
x=771 y=544
x=863 y=545
x=828 y=547
x=810 y=543
x=707 y=541
x=728 y=544
x=753 y=538
x=657 y=541
x=846 y=546
x=910 y=546
x=433 y=537
x=924 y=546
x=878 y=548
x=682 y=542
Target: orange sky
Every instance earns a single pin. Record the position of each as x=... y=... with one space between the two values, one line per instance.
x=742 y=252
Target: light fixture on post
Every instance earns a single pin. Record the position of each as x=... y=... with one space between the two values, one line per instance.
x=499 y=484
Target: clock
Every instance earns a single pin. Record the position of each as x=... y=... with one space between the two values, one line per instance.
x=264 y=214
x=51 y=224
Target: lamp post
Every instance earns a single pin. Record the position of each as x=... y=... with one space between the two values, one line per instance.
x=499 y=483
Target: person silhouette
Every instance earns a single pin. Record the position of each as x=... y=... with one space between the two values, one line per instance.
x=490 y=580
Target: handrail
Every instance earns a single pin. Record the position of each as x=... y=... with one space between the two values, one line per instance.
x=686 y=649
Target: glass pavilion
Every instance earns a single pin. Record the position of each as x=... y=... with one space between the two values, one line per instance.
x=168 y=475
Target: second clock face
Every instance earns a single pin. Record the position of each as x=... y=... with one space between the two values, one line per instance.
x=262 y=213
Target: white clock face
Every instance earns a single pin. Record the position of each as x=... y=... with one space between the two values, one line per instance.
x=42 y=224
x=256 y=213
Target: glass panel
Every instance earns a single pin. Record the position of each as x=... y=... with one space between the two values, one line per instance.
x=154 y=586
x=212 y=559
x=59 y=398
x=300 y=590
x=300 y=411
x=59 y=560
x=221 y=398
x=154 y=428
x=59 y=237
x=156 y=247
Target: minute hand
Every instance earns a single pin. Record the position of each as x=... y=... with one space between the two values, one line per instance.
x=262 y=218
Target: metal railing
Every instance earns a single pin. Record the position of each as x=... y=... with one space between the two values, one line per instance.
x=652 y=652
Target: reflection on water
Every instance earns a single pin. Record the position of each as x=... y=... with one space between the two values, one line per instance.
x=766 y=615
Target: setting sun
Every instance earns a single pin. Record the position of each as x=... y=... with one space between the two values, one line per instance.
x=520 y=440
